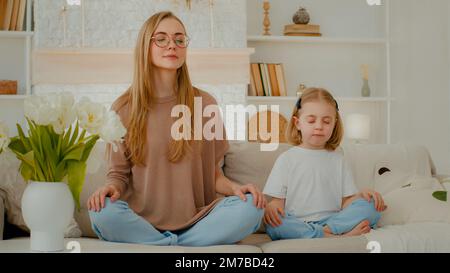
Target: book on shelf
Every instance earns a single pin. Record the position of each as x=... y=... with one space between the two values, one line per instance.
x=262 y=71
x=21 y=16
x=6 y=8
x=273 y=80
x=257 y=79
x=302 y=30
x=267 y=79
x=281 y=79
x=303 y=34
x=252 y=86
x=12 y=15
x=15 y=13
x=3 y=5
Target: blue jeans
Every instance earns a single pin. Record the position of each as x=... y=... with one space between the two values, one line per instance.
x=230 y=221
x=339 y=222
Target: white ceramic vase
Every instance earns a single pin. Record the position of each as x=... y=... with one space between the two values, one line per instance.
x=47 y=209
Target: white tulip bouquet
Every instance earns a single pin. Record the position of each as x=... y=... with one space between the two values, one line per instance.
x=61 y=136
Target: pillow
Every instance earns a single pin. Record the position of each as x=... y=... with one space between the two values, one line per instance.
x=414 y=204
x=13 y=185
x=387 y=180
x=246 y=163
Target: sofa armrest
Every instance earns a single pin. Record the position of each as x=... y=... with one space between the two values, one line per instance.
x=2 y=215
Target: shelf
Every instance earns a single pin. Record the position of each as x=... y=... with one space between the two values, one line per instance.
x=16 y=34
x=306 y=39
x=343 y=99
x=13 y=97
x=115 y=66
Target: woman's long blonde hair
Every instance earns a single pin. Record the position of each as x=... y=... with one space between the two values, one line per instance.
x=139 y=96
x=294 y=136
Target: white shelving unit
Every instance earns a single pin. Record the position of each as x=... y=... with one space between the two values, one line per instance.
x=15 y=53
x=353 y=33
x=15 y=64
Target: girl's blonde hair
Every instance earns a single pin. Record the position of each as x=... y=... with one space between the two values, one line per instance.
x=139 y=96
x=294 y=136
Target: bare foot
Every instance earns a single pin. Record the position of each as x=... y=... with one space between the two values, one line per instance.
x=361 y=228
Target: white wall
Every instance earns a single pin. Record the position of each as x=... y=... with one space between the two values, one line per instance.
x=420 y=72
x=115 y=23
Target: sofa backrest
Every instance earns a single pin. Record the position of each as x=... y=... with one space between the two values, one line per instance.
x=246 y=163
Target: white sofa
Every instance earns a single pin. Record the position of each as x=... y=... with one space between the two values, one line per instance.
x=245 y=163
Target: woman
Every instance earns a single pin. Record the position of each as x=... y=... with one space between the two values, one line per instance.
x=167 y=186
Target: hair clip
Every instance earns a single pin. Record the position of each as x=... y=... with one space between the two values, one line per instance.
x=299 y=104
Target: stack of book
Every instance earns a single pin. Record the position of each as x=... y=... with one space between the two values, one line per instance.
x=12 y=15
x=302 y=30
x=267 y=79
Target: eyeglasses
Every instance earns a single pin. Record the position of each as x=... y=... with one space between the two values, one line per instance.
x=163 y=40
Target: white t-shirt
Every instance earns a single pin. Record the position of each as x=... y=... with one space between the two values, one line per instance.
x=313 y=182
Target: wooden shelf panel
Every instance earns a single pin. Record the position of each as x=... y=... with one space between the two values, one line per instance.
x=16 y=34
x=306 y=39
x=344 y=99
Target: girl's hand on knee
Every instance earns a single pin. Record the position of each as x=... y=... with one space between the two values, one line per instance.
x=272 y=214
x=97 y=200
x=378 y=199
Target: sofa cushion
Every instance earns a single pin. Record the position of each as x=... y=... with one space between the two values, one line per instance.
x=414 y=205
x=246 y=163
x=353 y=244
x=89 y=245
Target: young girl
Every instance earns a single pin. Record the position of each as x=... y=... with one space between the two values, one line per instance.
x=311 y=184
x=167 y=186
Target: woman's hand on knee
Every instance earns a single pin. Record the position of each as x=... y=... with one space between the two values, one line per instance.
x=258 y=197
x=97 y=200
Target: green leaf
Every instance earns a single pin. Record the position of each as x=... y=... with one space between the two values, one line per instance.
x=28 y=158
x=26 y=171
x=76 y=172
x=27 y=165
x=75 y=152
x=58 y=147
x=65 y=143
x=23 y=138
x=50 y=155
x=38 y=158
x=83 y=134
x=440 y=195
x=17 y=145
x=74 y=135
x=61 y=171
x=89 y=146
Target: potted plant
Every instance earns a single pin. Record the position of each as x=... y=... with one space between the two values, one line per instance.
x=53 y=155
